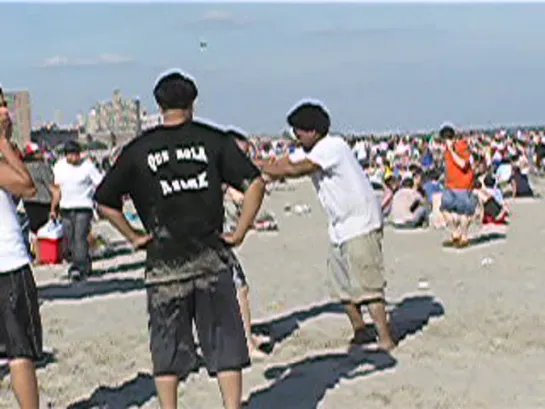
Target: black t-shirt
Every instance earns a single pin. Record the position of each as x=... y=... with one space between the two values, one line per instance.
x=522 y=185
x=174 y=176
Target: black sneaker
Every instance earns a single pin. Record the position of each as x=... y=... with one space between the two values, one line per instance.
x=75 y=275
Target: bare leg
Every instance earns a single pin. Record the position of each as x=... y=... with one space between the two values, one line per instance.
x=231 y=389
x=465 y=222
x=24 y=383
x=361 y=335
x=167 y=391
x=453 y=224
x=378 y=314
x=354 y=315
x=244 y=305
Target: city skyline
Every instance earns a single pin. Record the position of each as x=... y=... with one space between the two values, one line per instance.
x=376 y=67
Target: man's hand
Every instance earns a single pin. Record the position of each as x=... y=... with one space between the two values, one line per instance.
x=6 y=126
x=233 y=239
x=53 y=214
x=140 y=241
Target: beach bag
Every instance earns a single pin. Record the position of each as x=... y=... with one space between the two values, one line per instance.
x=52 y=230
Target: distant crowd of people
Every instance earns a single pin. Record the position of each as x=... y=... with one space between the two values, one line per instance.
x=452 y=177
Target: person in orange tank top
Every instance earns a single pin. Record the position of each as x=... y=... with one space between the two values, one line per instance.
x=458 y=202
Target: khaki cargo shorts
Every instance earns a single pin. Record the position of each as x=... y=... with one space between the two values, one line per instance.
x=356 y=268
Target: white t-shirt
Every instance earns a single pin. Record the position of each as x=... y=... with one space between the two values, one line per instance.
x=344 y=190
x=77 y=183
x=504 y=173
x=13 y=250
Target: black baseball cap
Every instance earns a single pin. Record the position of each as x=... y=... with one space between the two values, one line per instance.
x=72 y=147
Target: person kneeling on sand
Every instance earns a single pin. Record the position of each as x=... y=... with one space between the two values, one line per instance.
x=356 y=267
x=174 y=174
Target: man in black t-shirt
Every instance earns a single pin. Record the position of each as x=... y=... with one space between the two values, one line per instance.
x=174 y=175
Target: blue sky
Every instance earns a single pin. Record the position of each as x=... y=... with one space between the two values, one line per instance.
x=376 y=67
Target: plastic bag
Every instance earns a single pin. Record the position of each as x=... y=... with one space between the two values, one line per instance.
x=52 y=230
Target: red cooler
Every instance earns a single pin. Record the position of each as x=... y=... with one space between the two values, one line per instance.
x=50 y=251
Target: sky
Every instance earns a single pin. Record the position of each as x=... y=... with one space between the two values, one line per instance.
x=375 y=67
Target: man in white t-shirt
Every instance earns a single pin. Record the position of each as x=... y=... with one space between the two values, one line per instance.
x=75 y=182
x=20 y=323
x=355 y=264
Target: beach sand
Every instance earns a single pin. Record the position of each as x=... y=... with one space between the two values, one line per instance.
x=472 y=321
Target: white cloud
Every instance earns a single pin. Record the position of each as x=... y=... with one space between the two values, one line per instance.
x=102 y=59
x=218 y=18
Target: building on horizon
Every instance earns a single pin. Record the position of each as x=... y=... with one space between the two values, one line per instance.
x=115 y=121
x=19 y=106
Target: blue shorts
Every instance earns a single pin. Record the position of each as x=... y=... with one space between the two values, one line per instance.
x=458 y=201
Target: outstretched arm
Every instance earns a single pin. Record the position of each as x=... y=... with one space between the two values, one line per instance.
x=286 y=168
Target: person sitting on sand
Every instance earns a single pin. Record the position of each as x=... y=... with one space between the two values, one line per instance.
x=458 y=202
x=520 y=184
x=408 y=207
x=356 y=266
x=493 y=208
x=174 y=174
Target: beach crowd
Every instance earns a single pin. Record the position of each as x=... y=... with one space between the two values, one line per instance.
x=180 y=176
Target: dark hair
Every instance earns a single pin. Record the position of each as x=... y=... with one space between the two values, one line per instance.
x=175 y=91
x=447 y=132
x=415 y=169
x=489 y=181
x=72 y=146
x=310 y=117
x=407 y=182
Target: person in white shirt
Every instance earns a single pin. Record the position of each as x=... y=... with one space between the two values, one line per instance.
x=75 y=182
x=355 y=264
x=20 y=323
x=408 y=210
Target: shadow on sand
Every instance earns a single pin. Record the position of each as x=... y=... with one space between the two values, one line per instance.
x=486 y=238
x=87 y=289
x=304 y=383
x=119 y=268
x=301 y=384
x=135 y=392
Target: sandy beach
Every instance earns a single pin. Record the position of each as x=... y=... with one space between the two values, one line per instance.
x=472 y=323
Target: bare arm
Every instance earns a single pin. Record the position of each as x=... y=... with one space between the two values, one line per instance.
x=285 y=168
x=118 y=220
x=458 y=160
x=253 y=197
x=55 y=199
x=14 y=177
